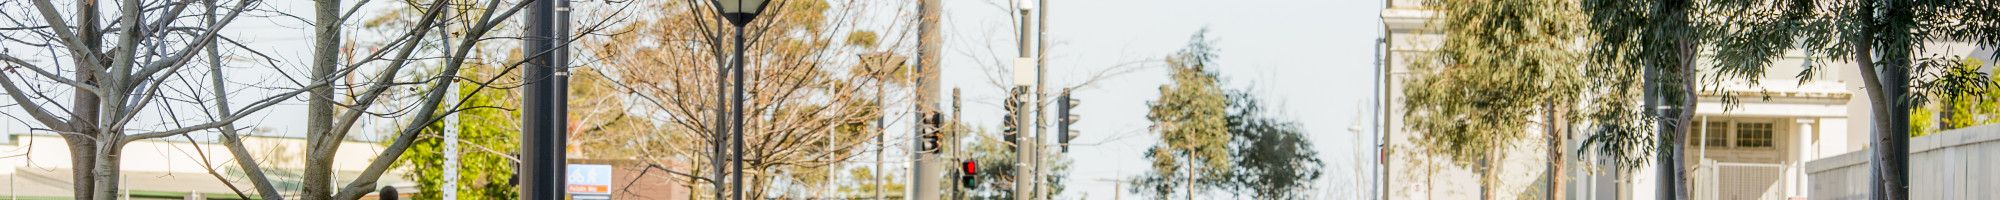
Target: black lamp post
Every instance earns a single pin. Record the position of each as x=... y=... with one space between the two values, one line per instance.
x=739 y=13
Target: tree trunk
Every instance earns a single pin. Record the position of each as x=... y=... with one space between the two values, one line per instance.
x=1946 y=106
x=106 y=170
x=82 y=160
x=1430 y=180
x=1556 y=139
x=81 y=148
x=1891 y=144
x=1676 y=91
x=320 y=141
x=1190 y=177
x=1489 y=176
x=1683 y=114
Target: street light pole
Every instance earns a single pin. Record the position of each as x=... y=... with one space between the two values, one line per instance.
x=736 y=118
x=739 y=13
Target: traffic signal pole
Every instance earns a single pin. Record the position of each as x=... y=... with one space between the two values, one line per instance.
x=542 y=102
x=558 y=126
x=1041 y=94
x=928 y=140
x=1025 y=146
x=956 y=152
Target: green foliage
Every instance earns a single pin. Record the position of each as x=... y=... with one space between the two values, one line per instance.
x=1882 y=36
x=1273 y=158
x=1226 y=138
x=1191 y=118
x=1640 y=51
x=861 y=183
x=1499 y=62
x=1960 y=97
x=487 y=134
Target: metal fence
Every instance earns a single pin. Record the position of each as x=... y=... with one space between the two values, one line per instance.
x=1713 y=180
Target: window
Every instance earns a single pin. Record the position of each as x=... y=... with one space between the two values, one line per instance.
x=1756 y=135
x=1714 y=132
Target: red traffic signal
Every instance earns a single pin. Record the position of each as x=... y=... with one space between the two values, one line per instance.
x=966 y=179
x=970 y=167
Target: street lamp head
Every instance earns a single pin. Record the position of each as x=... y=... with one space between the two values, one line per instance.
x=740 y=12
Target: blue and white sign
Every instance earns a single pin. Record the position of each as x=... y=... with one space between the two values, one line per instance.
x=585 y=179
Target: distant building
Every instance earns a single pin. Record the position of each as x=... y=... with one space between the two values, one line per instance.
x=628 y=179
x=1755 y=149
x=37 y=166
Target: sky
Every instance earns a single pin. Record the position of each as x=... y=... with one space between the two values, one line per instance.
x=1309 y=58
x=1312 y=58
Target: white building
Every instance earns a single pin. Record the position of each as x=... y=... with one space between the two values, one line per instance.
x=1755 y=149
x=37 y=166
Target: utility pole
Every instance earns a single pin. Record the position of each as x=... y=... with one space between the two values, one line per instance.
x=924 y=159
x=1117 y=188
x=1383 y=110
x=541 y=99
x=1025 y=149
x=1041 y=93
x=956 y=152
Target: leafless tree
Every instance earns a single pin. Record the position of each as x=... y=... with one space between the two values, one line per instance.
x=92 y=95
x=814 y=73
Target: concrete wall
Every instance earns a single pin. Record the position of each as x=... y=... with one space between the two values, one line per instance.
x=1956 y=164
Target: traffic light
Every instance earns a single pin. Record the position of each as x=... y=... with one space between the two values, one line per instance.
x=931 y=136
x=1064 y=104
x=1010 y=125
x=968 y=169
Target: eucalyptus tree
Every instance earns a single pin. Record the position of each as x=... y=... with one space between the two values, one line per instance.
x=1190 y=116
x=1881 y=37
x=1501 y=65
x=1272 y=157
x=1884 y=39
x=1660 y=38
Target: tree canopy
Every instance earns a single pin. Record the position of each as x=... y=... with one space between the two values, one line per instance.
x=1217 y=138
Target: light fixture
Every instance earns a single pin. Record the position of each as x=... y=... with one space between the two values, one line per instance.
x=740 y=12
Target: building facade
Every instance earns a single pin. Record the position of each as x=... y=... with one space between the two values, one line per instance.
x=1752 y=147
